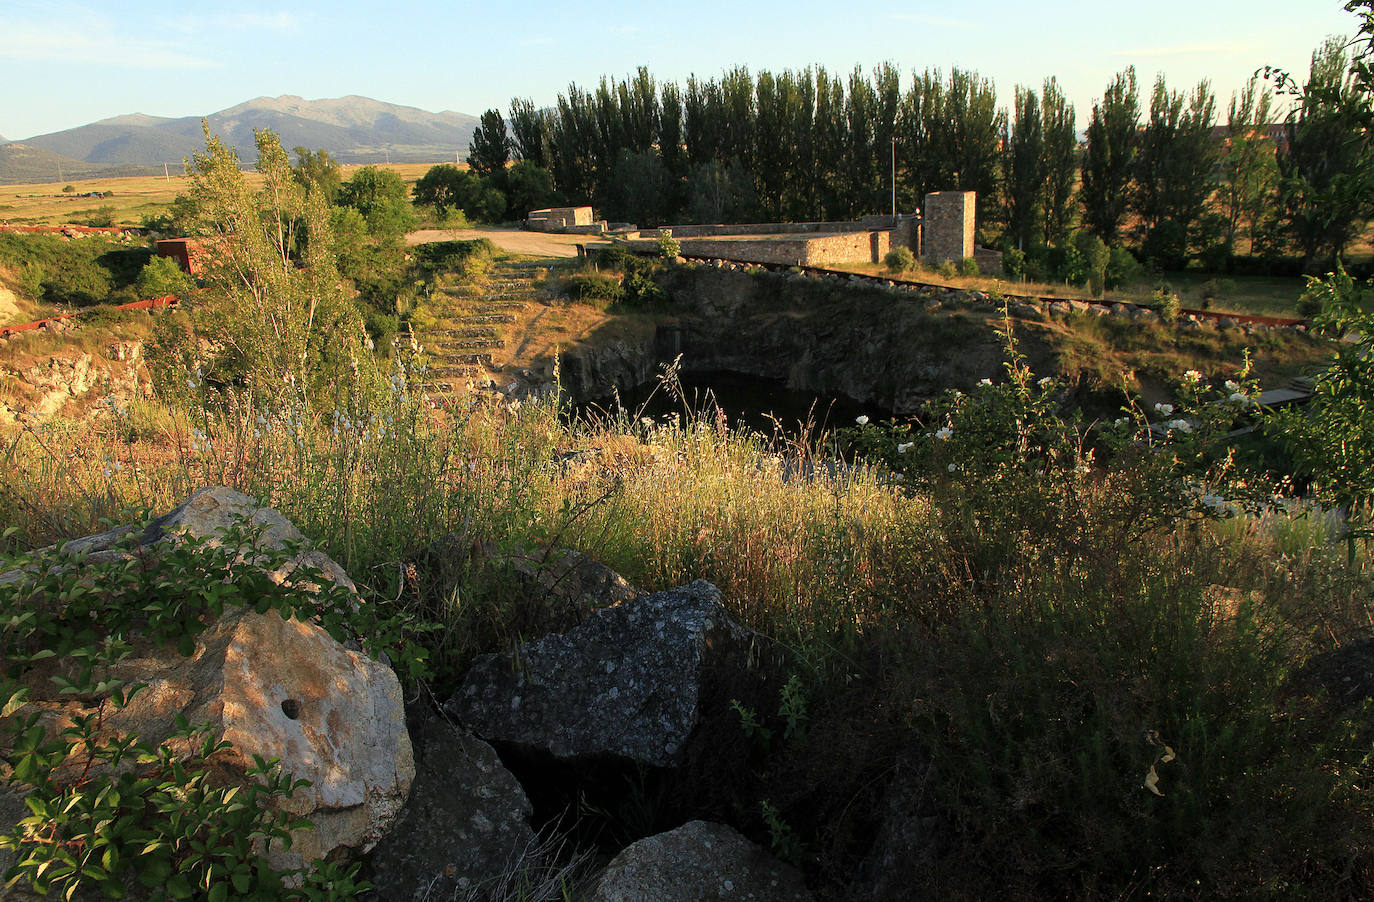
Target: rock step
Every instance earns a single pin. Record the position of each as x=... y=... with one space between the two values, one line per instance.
x=482 y=319
x=471 y=332
x=498 y=306
x=471 y=344
x=462 y=371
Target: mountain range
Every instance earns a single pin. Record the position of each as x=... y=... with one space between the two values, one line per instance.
x=353 y=129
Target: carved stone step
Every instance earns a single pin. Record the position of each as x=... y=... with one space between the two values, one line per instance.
x=498 y=306
x=471 y=344
x=482 y=319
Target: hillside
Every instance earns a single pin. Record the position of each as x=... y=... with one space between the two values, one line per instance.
x=353 y=129
x=23 y=163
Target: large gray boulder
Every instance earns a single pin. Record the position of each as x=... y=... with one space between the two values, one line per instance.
x=698 y=862
x=630 y=682
x=467 y=820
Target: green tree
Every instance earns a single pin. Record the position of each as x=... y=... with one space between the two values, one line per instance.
x=529 y=131
x=160 y=277
x=1023 y=166
x=1060 y=163
x=720 y=192
x=1249 y=172
x=445 y=187
x=272 y=316
x=316 y=168
x=1327 y=166
x=1110 y=157
x=490 y=149
x=529 y=187
x=640 y=188
x=381 y=197
x=1173 y=172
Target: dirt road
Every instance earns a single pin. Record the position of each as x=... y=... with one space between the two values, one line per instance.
x=517 y=241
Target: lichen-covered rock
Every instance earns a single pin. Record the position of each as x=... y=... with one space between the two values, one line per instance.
x=285 y=689
x=209 y=514
x=272 y=687
x=467 y=819
x=629 y=682
x=698 y=862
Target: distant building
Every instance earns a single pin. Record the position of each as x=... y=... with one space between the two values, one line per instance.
x=189 y=253
x=579 y=220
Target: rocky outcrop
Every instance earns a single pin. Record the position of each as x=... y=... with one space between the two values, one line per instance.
x=698 y=862
x=467 y=819
x=42 y=387
x=272 y=687
x=629 y=683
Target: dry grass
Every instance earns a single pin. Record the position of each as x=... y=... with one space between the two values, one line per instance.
x=132 y=198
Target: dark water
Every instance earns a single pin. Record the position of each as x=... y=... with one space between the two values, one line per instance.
x=763 y=405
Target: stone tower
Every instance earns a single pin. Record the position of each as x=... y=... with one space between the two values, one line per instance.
x=947 y=229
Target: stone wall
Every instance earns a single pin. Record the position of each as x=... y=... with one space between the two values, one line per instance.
x=817 y=250
x=948 y=226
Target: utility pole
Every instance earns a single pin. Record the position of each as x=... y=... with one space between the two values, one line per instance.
x=166 y=174
x=894 y=177
x=388 y=156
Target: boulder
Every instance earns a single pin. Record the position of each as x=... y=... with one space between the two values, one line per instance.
x=208 y=515
x=698 y=862
x=285 y=689
x=467 y=819
x=272 y=687
x=630 y=682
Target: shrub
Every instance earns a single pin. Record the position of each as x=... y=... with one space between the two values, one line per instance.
x=968 y=267
x=947 y=269
x=162 y=276
x=102 y=217
x=68 y=189
x=1122 y=268
x=592 y=288
x=899 y=259
x=1014 y=263
x=668 y=247
x=1167 y=303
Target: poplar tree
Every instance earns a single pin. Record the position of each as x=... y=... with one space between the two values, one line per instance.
x=1249 y=172
x=1173 y=171
x=1109 y=160
x=490 y=149
x=1060 y=131
x=1024 y=168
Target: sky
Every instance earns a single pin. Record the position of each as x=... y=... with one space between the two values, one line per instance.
x=65 y=63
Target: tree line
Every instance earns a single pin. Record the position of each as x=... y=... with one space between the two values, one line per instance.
x=1162 y=174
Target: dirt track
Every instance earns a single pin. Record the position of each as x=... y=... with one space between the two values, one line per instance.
x=517 y=241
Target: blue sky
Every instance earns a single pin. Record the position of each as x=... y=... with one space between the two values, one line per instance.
x=65 y=63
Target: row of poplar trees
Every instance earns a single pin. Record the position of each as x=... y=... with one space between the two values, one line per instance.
x=808 y=145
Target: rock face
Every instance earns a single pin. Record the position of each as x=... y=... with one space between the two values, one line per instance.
x=628 y=683
x=698 y=862
x=45 y=385
x=467 y=819
x=275 y=688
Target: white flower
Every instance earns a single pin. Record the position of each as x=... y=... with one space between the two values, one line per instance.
x=1180 y=425
x=1192 y=376
x=1121 y=421
x=1164 y=409
x=944 y=433
x=1044 y=380
x=861 y=420
x=1232 y=385
x=984 y=381
x=904 y=447
x=951 y=468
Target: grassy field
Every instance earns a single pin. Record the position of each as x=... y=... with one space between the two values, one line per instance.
x=131 y=198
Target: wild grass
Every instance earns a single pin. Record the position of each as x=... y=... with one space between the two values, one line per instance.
x=1100 y=671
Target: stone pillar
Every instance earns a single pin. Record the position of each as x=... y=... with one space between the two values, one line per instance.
x=947 y=229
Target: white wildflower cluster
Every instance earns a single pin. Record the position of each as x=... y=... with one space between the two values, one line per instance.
x=1121 y=421
x=1164 y=409
x=1192 y=377
x=1181 y=425
x=984 y=382
x=1045 y=381
x=1218 y=505
x=861 y=419
x=944 y=433
x=904 y=447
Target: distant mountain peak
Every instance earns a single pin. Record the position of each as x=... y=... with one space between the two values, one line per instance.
x=353 y=129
